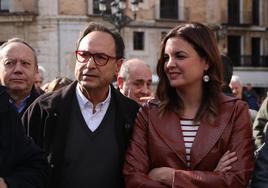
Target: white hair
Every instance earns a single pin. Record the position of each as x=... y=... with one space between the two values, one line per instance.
x=236 y=78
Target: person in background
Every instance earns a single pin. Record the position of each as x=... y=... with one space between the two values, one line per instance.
x=22 y=164
x=191 y=135
x=39 y=79
x=58 y=83
x=260 y=175
x=260 y=124
x=251 y=97
x=237 y=88
x=85 y=127
x=18 y=67
x=135 y=80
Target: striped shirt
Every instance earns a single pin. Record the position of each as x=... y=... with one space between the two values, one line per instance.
x=189 y=131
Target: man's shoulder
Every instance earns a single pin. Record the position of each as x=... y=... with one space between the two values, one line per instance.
x=123 y=99
x=59 y=96
x=4 y=99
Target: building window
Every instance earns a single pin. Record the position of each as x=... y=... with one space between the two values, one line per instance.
x=256 y=12
x=4 y=5
x=233 y=12
x=234 y=50
x=96 y=7
x=256 y=51
x=169 y=9
x=138 y=40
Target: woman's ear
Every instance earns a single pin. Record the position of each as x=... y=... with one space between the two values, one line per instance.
x=206 y=65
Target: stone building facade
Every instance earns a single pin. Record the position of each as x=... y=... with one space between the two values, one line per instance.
x=52 y=28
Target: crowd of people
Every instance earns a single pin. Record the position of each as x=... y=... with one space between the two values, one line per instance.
x=198 y=129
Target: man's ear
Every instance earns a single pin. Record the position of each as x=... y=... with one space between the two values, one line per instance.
x=120 y=82
x=118 y=66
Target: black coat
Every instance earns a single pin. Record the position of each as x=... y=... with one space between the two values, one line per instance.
x=46 y=121
x=22 y=163
x=260 y=175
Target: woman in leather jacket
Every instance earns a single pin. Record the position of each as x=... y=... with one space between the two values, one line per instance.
x=191 y=135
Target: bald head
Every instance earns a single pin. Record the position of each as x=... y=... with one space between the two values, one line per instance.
x=135 y=80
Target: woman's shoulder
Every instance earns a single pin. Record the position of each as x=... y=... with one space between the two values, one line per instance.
x=150 y=105
x=154 y=101
x=228 y=102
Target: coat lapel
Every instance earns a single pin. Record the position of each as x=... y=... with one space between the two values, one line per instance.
x=208 y=134
x=169 y=130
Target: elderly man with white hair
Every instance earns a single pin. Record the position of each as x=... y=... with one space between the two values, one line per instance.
x=135 y=80
x=237 y=88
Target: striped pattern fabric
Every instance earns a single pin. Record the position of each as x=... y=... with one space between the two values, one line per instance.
x=189 y=131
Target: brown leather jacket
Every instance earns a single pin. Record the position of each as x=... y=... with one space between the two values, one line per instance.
x=158 y=142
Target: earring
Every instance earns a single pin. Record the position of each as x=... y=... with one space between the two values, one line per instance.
x=206 y=78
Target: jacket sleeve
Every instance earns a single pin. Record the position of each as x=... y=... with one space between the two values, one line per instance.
x=137 y=163
x=241 y=142
x=260 y=175
x=33 y=120
x=29 y=165
x=260 y=124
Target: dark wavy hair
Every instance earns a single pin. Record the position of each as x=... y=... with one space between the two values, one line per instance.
x=203 y=40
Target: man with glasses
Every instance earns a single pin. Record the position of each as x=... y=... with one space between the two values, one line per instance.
x=85 y=127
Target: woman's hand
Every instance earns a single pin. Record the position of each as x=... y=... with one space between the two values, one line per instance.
x=225 y=162
x=164 y=175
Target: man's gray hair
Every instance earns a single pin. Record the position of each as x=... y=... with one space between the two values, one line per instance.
x=124 y=70
x=19 y=40
x=236 y=78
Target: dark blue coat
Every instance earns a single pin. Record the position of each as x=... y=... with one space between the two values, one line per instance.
x=22 y=163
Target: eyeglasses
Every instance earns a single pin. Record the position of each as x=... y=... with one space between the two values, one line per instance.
x=100 y=59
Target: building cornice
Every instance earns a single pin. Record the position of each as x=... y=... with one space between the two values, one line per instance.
x=17 y=17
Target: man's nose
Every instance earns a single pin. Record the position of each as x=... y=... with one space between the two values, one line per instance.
x=18 y=67
x=146 y=90
x=90 y=62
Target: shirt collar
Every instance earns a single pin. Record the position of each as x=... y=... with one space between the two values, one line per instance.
x=23 y=104
x=84 y=102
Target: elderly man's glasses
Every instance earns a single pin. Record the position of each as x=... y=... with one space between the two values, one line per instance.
x=100 y=59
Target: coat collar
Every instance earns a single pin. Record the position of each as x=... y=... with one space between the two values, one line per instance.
x=170 y=132
x=209 y=133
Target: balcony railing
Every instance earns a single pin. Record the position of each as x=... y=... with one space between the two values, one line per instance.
x=250 y=61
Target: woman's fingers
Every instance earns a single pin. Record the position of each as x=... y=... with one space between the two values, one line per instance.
x=226 y=161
